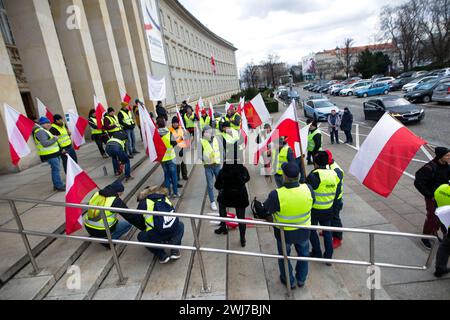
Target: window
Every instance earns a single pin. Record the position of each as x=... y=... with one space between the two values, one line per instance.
x=169 y=19
x=4 y=25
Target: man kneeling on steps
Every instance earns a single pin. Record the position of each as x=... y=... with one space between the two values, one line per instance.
x=160 y=229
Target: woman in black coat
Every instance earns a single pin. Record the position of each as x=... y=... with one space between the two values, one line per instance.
x=233 y=194
x=347 y=125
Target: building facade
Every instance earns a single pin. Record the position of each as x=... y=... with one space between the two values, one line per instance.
x=65 y=52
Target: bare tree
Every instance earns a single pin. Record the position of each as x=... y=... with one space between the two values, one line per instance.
x=402 y=25
x=250 y=74
x=347 y=55
x=270 y=66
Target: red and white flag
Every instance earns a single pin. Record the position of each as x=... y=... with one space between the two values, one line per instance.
x=287 y=127
x=180 y=118
x=124 y=96
x=154 y=146
x=19 y=129
x=244 y=129
x=228 y=106
x=78 y=186
x=77 y=126
x=213 y=64
x=99 y=112
x=199 y=107
x=256 y=112
x=385 y=155
x=211 y=111
x=241 y=107
x=44 y=111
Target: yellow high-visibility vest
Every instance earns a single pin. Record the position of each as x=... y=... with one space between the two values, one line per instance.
x=326 y=193
x=211 y=153
x=127 y=118
x=45 y=151
x=64 y=139
x=295 y=206
x=114 y=121
x=170 y=153
x=93 y=218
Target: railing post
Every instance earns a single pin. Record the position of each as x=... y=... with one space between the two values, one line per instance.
x=122 y=280
x=26 y=243
x=372 y=262
x=206 y=288
x=286 y=262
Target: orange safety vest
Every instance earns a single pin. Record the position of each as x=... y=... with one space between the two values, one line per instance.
x=179 y=136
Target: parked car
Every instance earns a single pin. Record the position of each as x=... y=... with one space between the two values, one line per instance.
x=281 y=90
x=398 y=84
x=424 y=92
x=335 y=89
x=444 y=72
x=319 y=110
x=418 y=81
x=292 y=95
x=434 y=73
x=442 y=93
x=351 y=89
x=309 y=85
x=408 y=74
x=419 y=74
x=373 y=90
x=377 y=76
x=387 y=80
x=398 y=107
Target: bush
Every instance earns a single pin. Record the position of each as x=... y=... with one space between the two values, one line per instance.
x=272 y=106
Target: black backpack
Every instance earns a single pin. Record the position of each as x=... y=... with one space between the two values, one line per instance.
x=259 y=212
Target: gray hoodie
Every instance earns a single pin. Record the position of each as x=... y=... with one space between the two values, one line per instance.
x=45 y=140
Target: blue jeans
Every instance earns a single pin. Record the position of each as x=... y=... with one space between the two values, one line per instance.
x=317 y=219
x=153 y=236
x=211 y=173
x=55 y=164
x=300 y=240
x=170 y=176
x=131 y=143
x=122 y=227
x=118 y=154
x=71 y=152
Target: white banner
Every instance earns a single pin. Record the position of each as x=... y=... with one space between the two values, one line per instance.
x=152 y=27
x=157 y=89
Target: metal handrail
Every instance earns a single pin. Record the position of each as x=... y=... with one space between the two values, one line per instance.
x=199 y=250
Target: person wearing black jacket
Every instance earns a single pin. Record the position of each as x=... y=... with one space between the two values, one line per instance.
x=94 y=223
x=347 y=125
x=428 y=179
x=233 y=193
x=315 y=143
x=99 y=136
x=161 y=111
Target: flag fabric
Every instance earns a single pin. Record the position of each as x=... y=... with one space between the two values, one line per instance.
x=199 y=107
x=228 y=106
x=154 y=146
x=19 y=129
x=44 y=111
x=241 y=107
x=78 y=186
x=304 y=133
x=211 y=111
x=99 y=112
x=213 y=64
x=244 y=129
x=287 y=127
x=256 y=112
x=385 y=155
x=77 y=126
x=180 y=118
x=124 y=96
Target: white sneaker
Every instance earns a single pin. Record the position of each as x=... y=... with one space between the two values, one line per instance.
x=214 y=206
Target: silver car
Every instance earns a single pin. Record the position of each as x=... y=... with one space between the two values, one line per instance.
x=442 y=93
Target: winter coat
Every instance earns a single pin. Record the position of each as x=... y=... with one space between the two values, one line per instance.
x=347 y=121
x=430 y=177
x=231 y=185
x=338 y=123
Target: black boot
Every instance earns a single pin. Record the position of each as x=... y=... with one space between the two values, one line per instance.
x=222 y=230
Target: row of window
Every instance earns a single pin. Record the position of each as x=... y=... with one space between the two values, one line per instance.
x=176 y=28
x=203 y=87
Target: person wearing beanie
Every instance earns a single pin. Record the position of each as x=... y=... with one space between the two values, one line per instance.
x=128 y=125
x=49 y=151
x=325 y=185
x=111 y=122
x=428 y=179
x=292 y=204
x=339 y=202
x=110 y=197
x=211 y=161
x=161 y=112
x=177 y=135
x=205 y=120
x=189 y=119
x=315 y=141
x=168 y=162
x=116 y=149
x=59 y=129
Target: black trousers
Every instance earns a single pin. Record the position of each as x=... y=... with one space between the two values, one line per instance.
x=348 y=135
x=240 y=213
x=181 y=168
x=443 y=255
x=100 y=140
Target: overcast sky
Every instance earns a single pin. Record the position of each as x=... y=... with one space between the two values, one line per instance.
x=290 y=28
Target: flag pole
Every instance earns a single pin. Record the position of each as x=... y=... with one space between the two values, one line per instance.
x=302 y=155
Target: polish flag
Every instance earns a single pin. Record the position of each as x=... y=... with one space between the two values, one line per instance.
x=77 y=126
x=213 y=64
x=124 y=96
x=199 y=107
x=19 y=129
x=211 y=111
x=44 y=111
x=244 y=129
x=228 y=106
x=241 y=107
x=385 y=155
x=99 y=112
x=256 y=112
x=78 y=186
x=155 y=147
x=180 y=118
x=287 y=127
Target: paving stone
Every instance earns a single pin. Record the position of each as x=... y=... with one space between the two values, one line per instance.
x=429 y=290
x=118 y=294
x=36 y=287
